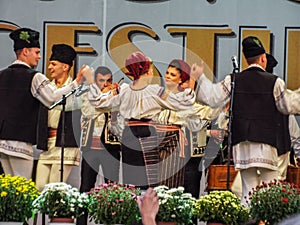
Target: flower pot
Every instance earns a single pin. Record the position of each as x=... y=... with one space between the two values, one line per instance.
x=166 y=223
x=11 y=223
x=61 y=221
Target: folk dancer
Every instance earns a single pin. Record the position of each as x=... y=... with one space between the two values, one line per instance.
x=21 y=90
x=50 y=124
x=137 y=104
x=261 y=102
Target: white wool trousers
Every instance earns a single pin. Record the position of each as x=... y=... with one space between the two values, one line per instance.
x=16 y=166
x=250 y=179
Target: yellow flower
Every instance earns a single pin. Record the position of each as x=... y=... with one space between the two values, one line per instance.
x=16 y=198
x=219 y=206
x=3 y=193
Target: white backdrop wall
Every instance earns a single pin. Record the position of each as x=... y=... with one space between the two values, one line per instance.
x=274 y=16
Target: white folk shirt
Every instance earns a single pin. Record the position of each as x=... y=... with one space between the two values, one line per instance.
x=45 y=92
x=250 y=154
x=144 y=103
x=53 y=155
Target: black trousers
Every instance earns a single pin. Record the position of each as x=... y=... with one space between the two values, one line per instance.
x=192 y=176
x=109 y=159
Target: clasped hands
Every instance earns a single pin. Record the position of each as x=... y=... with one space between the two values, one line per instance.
x=86 y=73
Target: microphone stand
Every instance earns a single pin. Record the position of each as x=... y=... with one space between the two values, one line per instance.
x=62 y=102
x=235 y=70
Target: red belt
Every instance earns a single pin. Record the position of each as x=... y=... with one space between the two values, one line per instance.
x=96 y=143
x=52 y=132
x=140 y=123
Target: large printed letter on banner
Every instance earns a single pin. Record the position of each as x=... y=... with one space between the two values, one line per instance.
x=121 y=45
x=68 y=34
x=201 y=45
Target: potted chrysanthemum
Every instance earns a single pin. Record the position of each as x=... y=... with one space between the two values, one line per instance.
x=221 y=207
x=175 y=205
x=16 y=196
x=61 y=200
x=114 y=203
x=274 y=201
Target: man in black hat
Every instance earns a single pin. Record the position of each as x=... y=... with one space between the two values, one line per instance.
x=50 y=124
x=259 y=125
x=21 y=90
x=283 y=156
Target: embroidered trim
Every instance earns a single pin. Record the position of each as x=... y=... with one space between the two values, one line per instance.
x=163 y=93
x=225 y=89
x=14 y=149
x=256 y=160
x=42 y=85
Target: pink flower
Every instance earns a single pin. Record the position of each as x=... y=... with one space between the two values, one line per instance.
x=131 y=186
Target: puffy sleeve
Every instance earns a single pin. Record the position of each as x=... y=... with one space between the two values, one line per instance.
x=194 y=119
x=47 y=93
x=295 y=135
x=103 y=100
x=175 y=101
x=195 y=124
x=212 y=94
x=206 y=112
x=287 y=101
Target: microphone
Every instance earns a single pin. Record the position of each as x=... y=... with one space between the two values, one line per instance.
x=82 y=90
x=235 y=63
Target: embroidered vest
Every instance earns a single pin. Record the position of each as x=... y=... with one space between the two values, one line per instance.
x=72 y=129
x=255 y=116
x=19 y=109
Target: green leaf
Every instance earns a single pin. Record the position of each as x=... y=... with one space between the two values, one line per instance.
x=24 y=36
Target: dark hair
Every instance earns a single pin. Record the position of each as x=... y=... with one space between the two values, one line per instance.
x=103 y=70
x=183 y=68
x=253 y=59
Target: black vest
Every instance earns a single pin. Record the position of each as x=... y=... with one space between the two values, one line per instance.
x=255 y=116
x=72 y=129
x=18 y=108
x=108 y=140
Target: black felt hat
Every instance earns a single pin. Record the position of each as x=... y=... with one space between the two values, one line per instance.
x=271 y=63
x=25 y=38
x=63 y=53
x=252 y=46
